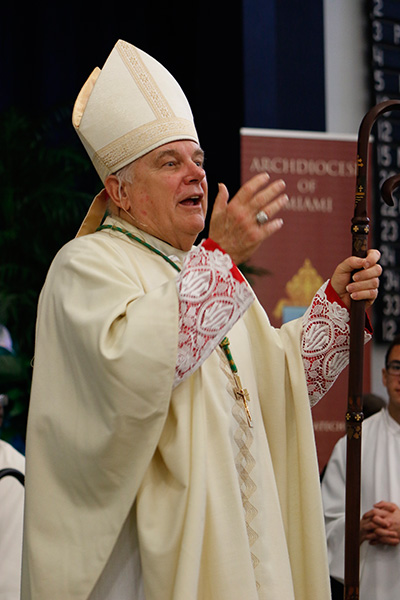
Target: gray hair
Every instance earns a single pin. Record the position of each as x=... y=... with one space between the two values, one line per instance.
x=124 y=175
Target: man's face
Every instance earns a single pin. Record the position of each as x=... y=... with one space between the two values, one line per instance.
x=168 y=196
x=392 y=382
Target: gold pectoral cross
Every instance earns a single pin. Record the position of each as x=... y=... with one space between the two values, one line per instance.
x=243 y=395
x=240 y=392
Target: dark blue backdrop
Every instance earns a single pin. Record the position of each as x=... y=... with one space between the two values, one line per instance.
x=255 y=63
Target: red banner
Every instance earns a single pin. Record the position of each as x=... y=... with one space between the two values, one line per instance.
x=320 y=173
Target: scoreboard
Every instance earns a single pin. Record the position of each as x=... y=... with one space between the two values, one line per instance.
x=384 y=18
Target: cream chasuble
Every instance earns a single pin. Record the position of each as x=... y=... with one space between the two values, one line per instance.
x=224 y=511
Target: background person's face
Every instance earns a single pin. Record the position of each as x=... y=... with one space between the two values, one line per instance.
x=392 y=384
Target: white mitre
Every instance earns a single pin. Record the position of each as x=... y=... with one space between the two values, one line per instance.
x=128 y=108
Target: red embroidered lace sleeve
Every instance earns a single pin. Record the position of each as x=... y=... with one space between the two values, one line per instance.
x=325 y=341
x=213 y=295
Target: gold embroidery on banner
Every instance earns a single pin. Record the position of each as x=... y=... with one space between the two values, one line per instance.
x=145 y=81
x=301 y=288
x=244 y=460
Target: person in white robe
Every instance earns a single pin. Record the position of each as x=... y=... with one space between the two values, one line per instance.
x=11 y=500
x=380 y=495
x=170 y=448
x=11 y=520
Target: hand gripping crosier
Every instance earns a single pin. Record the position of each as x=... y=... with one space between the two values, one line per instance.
x=354 y=416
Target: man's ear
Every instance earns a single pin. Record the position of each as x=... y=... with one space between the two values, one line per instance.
x=117 y=192
x=384 y=377
x=114 y=190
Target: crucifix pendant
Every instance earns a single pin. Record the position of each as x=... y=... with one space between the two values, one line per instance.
x=242 y=394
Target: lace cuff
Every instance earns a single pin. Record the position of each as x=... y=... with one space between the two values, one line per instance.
x=325 y=342
x=213 y=295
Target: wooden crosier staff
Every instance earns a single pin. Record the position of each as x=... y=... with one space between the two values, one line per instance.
x=354 y=415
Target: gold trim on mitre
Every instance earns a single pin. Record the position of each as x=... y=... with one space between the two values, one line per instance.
x=138 y=142
x=125 y=110
x=83 y=97
x=128 y=108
